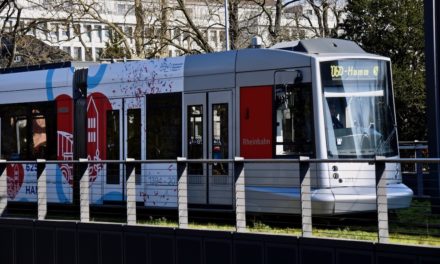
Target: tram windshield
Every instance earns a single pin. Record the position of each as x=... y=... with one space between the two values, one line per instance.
x=358 y=108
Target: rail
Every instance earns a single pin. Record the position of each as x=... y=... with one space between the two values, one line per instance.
x=238 y=167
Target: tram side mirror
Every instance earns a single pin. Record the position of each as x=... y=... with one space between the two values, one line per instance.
x=299 y=77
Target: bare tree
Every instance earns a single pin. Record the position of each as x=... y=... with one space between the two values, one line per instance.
x=14 y=39
x=13 y=14
x=190 y=26
x=3 y=4
x=323 y=11
x=139 y=32
x=192 y=30
x=273 y=12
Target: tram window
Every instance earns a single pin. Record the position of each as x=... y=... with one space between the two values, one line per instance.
x=21 y=137
x=134 y=139
x=39 y=137
x=164 y=126
x=195 y=138
x=294 y=120
x=220 y=137
x=112 y=146
x=28 y=130
x=9 y=138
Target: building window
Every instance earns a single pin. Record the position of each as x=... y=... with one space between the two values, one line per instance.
x=53 y=32
x=189 y=11
x=65 y=31
x=77 y=29
x=149 y=32
x=77 y=53
x=98 y=33
x=222 y=36
x=129 y=32
x=121 y=9
x=67 y=50
x=213 y=36
x=107 y=33
x=176 y=33
x=88 y=33
x=98 y=53
x=89 y=54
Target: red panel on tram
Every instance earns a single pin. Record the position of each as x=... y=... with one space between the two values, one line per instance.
x=256 y=122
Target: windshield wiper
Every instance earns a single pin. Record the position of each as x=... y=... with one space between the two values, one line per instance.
x=384 y=143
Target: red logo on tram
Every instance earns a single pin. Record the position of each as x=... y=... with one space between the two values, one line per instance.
x=97 y=107
x=65 y=135
x=15 y=178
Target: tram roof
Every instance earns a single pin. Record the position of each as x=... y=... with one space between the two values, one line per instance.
x=320 y=46
x=283 y=55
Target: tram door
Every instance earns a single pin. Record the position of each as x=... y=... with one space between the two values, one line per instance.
x=123 y=140
x=208 y=135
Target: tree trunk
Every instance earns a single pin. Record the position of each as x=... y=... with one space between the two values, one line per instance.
x=163 y=28
x=233 y=23
x=278 y=14
x=14 y=39
x=139 y=35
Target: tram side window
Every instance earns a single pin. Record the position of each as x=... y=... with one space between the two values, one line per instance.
x=164 y=126
x=294 y=120
x=39 y=136
x=134 y=139
x=28 y=131
x=112 y=146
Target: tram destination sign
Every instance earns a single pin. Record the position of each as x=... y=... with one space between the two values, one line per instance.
x=345 y=70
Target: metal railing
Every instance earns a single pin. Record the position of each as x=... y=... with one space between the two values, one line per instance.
x=239 y=192
x=415 y=149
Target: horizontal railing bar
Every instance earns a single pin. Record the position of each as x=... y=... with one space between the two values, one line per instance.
x=293 y=160
x=414 y=147
x=413 y=142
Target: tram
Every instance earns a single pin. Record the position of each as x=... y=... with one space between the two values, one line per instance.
x=320 y=98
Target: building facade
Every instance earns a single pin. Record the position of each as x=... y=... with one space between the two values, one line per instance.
x=84 y=29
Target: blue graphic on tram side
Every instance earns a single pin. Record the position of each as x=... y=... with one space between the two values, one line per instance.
x=59 y=186
x=49 y=88
x=93 y=81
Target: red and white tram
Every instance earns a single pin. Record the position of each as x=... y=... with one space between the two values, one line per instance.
x=322 y=98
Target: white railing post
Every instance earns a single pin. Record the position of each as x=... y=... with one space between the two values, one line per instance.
x=240 y=195
x=182 y=192
x=306 y=197
x=381 y=200
x=42 y=189
x=3 y=187
x=131 y=191
x=84 y=191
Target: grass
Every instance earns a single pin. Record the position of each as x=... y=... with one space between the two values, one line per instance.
x=159 y=221
x=339 y=233
x=414 y=226
x=211 y=226
x=348 y=233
